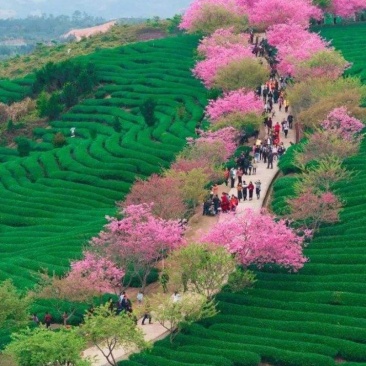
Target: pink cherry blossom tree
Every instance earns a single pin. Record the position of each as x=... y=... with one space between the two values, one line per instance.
x=266 y=13
x=313 y=208
x=346 y=126
x=227 y=136
x=208 y=15
x=162 y=192
x=326 y=64
x=97 y=272
x=295 y=44
x=346 y=8
x=257 y=238
x=210 y=168
x=138 y=241
x=236 y=101
x=206 y=70
x=213 y=45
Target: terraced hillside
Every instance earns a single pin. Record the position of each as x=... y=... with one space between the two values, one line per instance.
x=351 y=39
x=15 y=90
x=316 y=317
x=53 y=201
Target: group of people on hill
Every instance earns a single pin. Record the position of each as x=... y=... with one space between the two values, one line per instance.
x=268 y=150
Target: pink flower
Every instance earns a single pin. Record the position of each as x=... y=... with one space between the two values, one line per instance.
x=213 y=45
x=266 y=13
x=235 y=101
x=227 y=136
x=294 y=44
x=257 y=238
x=347 y=8
x=341 y=122
x=194 y=13
x=206 y=70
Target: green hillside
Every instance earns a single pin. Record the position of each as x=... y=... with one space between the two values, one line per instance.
x=312 y=318
x=351 y=40
x=53 y=201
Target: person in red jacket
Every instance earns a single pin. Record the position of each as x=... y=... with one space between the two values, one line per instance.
x=225 y=204
x=250 y=190
x=48 y=319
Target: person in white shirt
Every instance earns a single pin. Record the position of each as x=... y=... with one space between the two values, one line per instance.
x=176 y=297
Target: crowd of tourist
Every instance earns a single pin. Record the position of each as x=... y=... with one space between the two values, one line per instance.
x=266 y=150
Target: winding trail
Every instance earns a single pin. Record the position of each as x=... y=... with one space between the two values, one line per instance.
x=265 y=175
x=200 y=224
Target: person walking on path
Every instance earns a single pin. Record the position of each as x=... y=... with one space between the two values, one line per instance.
x=176 y=297
x=239 y=174
x=35 y=319
x=285 y=128
x=250 y=189
x=258 y=185
x=216 y=202
x=232 y=177
x=140 y=297
x=147 y=312
x=254 y=167
x=290 y=119
x=270 y=160
x=233 y=203
x=226 y=176
x=239 y=188
x=125 y=305
x=245 y=191
x=48 y=319
x=225 y=204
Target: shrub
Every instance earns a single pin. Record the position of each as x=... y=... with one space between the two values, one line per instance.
x=24 y=146
x=241 y=279
x=59 y=140
x=147 y=109
x=245 y=73
x=117 y=125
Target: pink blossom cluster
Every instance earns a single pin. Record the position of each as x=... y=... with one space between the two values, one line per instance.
x=345 y=125
x=98 y=272
x=213 y=45
x=139 y=233
x=294 y=44
x=235 y=101
x=228 y=136
x=321 y=65
x=257 y=238
x=194 y=13
x=266 y=13
x=206 y=70
x=347 y=8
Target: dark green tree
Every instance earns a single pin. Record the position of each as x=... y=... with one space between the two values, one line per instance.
x=84 y=82
x=173 y=24
x=54 y=107
x=147 y=109
x=41 y=104
x=24 y=146
x=69 y=95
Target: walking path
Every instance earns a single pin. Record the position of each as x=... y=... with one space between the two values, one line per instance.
x=265 y=175
x=155 y=331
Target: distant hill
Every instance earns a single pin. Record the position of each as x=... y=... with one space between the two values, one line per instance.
x=51 y=51
x=43 y=29
x=90 y=31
